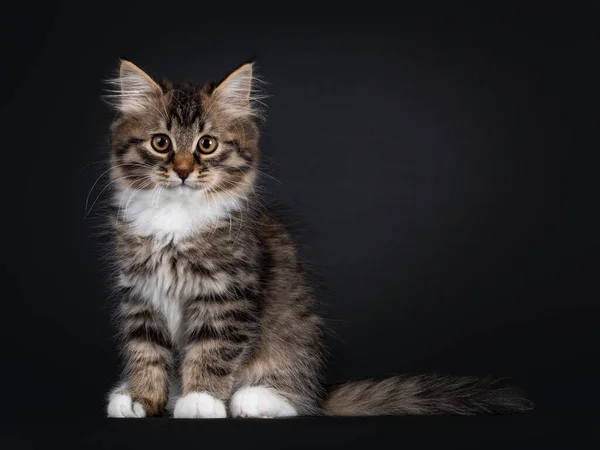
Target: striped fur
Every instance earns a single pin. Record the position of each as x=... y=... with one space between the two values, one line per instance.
x=424 y=395
x=214 y=306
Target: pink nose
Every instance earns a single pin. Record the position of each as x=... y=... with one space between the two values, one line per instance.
x=183 y=172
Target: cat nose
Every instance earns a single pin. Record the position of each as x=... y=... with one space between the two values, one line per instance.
x=183 y=172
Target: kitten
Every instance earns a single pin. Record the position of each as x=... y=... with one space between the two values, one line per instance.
x=215 y=315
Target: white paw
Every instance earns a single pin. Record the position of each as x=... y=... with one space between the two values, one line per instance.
x=262 y=402
x=121 y=406
x=199 y=405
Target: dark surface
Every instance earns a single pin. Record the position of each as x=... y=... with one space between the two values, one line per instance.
x=427 y=156
x=477 y=433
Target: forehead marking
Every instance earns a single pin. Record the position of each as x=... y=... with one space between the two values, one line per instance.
x=186 y=105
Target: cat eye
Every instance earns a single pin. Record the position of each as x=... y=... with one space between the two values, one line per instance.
x=207 y=144
x=161 y=143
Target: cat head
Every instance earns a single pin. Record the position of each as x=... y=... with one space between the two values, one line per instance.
x=182 y=139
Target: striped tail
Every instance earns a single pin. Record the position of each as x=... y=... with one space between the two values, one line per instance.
x=425 y=395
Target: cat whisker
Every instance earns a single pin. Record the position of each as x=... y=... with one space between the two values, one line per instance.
x=255 y=197
x=269 y=176
x=97 y=180
x=146 y=181
x=134 y=194
x=211 y=195
x=159 y=192
x=104 y=189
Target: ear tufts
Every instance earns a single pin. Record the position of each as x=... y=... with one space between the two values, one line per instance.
x=133 y=89
x=236 y=88
x=238 y=93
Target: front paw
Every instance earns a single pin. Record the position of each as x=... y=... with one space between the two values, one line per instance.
x=199 y=405
x=120 y=405
x=257 y=401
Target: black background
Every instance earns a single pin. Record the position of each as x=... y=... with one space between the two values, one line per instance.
x=426 y=156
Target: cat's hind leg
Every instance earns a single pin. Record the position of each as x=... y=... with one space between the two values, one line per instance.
x=282 y=382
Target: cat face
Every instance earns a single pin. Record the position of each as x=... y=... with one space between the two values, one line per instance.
x=182 y=139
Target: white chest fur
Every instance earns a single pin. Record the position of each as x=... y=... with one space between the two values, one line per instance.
x=173 y=214
x=169 y=217
x=162 y=285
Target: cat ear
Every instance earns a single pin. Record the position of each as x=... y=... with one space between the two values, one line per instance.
x=133 y=89
x=234 y=93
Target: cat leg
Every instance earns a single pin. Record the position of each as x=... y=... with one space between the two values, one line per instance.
x=281 y=380
x=214 y=349
x=148 y=362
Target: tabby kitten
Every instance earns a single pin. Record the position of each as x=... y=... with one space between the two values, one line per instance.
x=215 y=315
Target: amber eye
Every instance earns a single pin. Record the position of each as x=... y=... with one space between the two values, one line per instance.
x=161 y=143
x=207 y=144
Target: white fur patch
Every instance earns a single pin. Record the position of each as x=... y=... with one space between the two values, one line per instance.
x=260 y=402
x=199 y=405
x=173 y=214
x=154 y=289
x=121 y=406
x=170 y=215
x=171 y=309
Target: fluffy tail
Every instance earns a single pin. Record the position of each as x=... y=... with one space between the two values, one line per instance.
x=424 y=395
